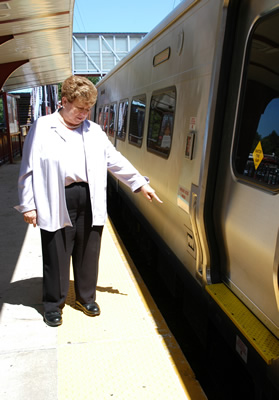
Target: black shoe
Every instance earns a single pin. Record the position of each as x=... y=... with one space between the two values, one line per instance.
x=91 y=309
x=53 y=318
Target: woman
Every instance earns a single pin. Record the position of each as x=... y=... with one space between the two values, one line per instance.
x=62 y=189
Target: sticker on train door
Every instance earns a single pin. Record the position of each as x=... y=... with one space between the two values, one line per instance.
x=193 y=123
x=258 y=155
x=183 y=198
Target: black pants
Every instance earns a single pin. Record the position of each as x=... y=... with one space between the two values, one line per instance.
x=82 y=243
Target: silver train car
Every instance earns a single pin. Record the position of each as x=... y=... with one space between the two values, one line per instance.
x=195 y=107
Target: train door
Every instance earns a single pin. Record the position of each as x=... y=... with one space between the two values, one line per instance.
x=246 y=204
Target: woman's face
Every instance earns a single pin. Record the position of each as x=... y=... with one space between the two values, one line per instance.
x=76 y=112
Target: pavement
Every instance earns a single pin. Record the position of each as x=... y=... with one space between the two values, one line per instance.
x=127 y=353
x=25 y=348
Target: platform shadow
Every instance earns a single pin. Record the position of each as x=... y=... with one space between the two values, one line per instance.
x=28 y=292
x=70 y=300
x=13 y=228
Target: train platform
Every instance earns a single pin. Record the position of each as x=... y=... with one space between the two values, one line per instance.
x=126 y=353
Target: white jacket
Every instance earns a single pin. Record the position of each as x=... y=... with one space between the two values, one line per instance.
x=41 y=183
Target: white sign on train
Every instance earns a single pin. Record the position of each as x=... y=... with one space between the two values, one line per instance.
x=193 y=121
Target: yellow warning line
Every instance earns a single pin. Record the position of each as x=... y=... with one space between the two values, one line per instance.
x=263 y=341
x=179 y=362
x=128 y=351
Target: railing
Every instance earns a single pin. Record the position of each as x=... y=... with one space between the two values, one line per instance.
x=11 y=147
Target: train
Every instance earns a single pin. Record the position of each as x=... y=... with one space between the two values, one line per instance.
x=194 y=106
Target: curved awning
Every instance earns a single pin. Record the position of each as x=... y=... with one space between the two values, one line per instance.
x=35 y=42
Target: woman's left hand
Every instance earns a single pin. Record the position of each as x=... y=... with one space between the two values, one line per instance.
x=149 y=193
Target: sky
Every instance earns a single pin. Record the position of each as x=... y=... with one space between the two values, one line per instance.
x=270 y=119
x=120 y=15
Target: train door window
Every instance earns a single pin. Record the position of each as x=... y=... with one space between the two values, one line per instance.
x=137 y=117
x=106 y=119
x=112 y=120
x=256 y=155
x=161 y=121
x=122 y=119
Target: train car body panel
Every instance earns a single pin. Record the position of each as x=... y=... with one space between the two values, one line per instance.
x=245 y=207
x=211 y=70
x=189 y=70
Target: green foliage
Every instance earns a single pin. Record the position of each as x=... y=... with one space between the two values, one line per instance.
x=94 y=79
x=270 y=144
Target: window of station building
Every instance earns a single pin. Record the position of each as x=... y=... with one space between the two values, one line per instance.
x=134 y=40
x=93 y=43
x=107 y=61
x=137 y=118
x=122 y=119
x=256 y=153
x=122 y=44
x=112 y=120
x=161 y=121
x=106 y=118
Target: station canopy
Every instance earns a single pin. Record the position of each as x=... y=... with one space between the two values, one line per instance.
x=35 y=42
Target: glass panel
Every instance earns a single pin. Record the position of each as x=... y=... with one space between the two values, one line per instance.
x=161 y=121
x=106 y=117
x=12 y=114
x=122 y=120
x=121 y=44
x=137 y=120
x=100 y=117
x=93 y=43
x=96 y=59
x=81 y=41
x=108 y=61
x=112 y=120
x=121 y=55
x=257 y=147
x=109 y=40
x=80 y=62
x=134 y=41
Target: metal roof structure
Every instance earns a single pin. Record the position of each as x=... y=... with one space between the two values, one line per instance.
x=35 y=42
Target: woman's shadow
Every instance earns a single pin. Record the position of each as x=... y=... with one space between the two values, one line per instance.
x=70 y=300
x=28 y=292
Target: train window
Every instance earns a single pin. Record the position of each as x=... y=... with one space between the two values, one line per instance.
x=161 y=57
x=122 y=119
x=112 y=120
x=256 y=155
x=137 y=117
x=161 y=120
x=100 y=117
x=105 y=119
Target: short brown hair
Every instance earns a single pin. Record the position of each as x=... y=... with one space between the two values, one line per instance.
x=78 y=86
